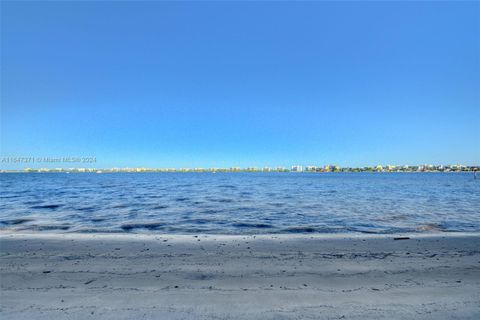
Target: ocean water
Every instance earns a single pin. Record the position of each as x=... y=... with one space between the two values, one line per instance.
x=240 y=203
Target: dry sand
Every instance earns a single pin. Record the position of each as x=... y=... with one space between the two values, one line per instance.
x=78 y=276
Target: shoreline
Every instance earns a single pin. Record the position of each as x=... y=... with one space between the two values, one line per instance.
x=9 y=233
x=268 y=276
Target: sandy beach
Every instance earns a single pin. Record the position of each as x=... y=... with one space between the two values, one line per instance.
x=102 y=276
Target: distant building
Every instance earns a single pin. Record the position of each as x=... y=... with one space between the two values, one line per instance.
x=297 y=168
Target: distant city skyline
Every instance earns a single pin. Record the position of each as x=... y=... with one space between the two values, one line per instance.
x=239 y=84
x=69 y=163
x=61 y=165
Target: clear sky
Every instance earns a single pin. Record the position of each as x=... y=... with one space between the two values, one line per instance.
x=168 y=84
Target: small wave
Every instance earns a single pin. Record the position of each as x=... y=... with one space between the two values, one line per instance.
x=378 y=229
x=160 y=207
x=227 y=186
x=95 y=230
x=211 y=211
x=252 y=225
x=455 y=225
x=119 y=206
x=146 y=225
x=87 y=209
x=16 y=221
x=47 y=206
x=47 y=227
x=299 y=230
x=223 y=200
x=32 y=202
x=277 y=204
x=10 y=197
x=245 y=209
x=199 y=221
x=367 y=230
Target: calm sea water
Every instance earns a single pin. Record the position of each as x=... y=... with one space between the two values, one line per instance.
x=240 y=203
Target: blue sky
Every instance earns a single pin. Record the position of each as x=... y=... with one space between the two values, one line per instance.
x=169 y=84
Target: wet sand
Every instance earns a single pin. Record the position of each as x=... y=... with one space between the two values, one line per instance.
x=85 y=276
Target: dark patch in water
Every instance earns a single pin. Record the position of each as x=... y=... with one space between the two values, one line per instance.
x=95 y=230
x=245 y=209
x=300 y=230
x=16 y=221
x=97 y=219
x=147 y=225
x=47 y=206
x=189 y=230
x=118 y=206
x=10 y=197
x=211 y=211
x=223 y=200
x=160 y=207
x=86 y=209
x=454 y=225
x=181 y=199
x=199 y=221
x=50 y=227
x=363 y=230
x=277 y=204
x=252 y=225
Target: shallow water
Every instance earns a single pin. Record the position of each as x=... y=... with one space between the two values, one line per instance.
x=240 y=203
